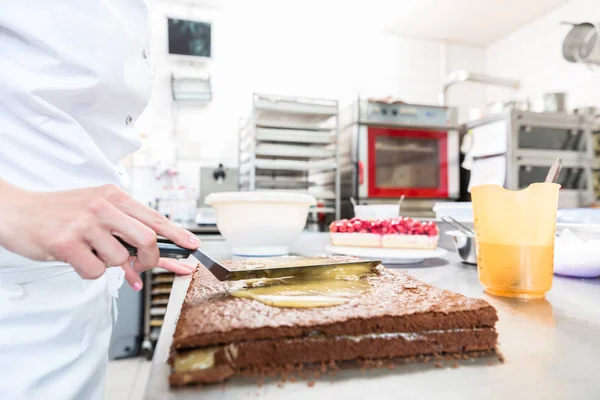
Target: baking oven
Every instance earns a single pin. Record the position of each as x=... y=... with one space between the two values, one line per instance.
x=403 y=162
x=516 y=148
x=395 y=149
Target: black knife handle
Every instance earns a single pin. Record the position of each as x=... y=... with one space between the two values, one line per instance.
x=166 y=248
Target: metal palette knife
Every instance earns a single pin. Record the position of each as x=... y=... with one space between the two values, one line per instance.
x=169 y=249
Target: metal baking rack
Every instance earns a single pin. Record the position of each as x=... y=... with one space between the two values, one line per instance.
x=290 y=144
x=596 y=165
x=157 y=289
x=533 y=140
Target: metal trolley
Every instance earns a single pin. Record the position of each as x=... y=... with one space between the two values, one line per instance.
x=291 y=144
x=157 y=288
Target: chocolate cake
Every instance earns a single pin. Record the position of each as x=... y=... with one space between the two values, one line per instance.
x=219 y=335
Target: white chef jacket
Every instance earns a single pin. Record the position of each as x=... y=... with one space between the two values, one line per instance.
x=74 y=76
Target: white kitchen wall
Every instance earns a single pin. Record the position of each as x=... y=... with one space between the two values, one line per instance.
x=287 y=48
x=465 y=96
x=533 y=55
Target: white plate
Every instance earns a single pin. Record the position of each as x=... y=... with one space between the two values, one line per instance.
x=389 y=256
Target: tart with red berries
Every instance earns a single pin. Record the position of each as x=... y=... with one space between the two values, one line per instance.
x=396 y=233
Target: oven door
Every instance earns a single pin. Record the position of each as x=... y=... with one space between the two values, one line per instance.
x=398 y=161
x=576 y=181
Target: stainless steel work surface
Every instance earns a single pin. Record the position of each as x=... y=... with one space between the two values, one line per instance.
x=551 y=348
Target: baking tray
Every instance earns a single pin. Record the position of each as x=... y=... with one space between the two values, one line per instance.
x=286 y=150
x=294 y=136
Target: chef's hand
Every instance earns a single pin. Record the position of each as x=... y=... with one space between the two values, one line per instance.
x=77 y=227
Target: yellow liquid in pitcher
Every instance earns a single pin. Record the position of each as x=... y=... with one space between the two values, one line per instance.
x=514 y=270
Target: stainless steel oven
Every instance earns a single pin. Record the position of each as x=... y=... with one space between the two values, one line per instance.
x=390 y=149
x=522 y=145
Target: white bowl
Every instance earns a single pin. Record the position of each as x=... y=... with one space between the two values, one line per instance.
x=377 y=211
x=578 y=215
x=577 y=258
x=465 y=246
x=260 y=223
x=460 y=211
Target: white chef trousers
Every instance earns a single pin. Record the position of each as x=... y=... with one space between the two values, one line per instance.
x=54 y=338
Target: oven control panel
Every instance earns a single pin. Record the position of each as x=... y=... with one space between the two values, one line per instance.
x=403 y=114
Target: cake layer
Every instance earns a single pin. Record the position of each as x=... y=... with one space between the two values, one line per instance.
x=397 y=302
x=233 y=359
x=394 y=241
x=356 y=239
x=409 y=241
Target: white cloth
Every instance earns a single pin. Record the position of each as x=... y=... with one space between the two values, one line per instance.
x=74 y=77
x=54 y=338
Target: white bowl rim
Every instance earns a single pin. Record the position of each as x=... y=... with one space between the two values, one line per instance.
x=258 y=196
x=575 y=226
x=453 y=205
x=559 y=225
x=457 y=233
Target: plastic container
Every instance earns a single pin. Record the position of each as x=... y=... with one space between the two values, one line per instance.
x=579 y=216
x=377 y=211
x=260 y=223
x=462 y=212
x=515 y=238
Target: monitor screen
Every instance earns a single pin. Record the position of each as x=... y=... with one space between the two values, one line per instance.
x=189 y=38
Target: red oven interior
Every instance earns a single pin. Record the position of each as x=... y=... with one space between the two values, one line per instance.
x=406 y=162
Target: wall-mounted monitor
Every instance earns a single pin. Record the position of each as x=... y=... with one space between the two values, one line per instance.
x=189 y=39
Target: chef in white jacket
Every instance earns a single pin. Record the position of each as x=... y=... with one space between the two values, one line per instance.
x=74 y=76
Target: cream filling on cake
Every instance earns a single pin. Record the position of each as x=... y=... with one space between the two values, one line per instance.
x=356 y=239
x=409 y=241
x=195 y=360
x=203 y=359
x=395 y=240
x=409 y=336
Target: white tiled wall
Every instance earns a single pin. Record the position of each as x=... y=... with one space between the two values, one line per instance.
x=533 y=55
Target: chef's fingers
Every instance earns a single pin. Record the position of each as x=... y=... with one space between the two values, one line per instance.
x=176 y=267
x=107 y=248
x=147 y=216
x=79 y=255
x=132 y=277
x=168 y=264
x=158 y=223
x=116 y=222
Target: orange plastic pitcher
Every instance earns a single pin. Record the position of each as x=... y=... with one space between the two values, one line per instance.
x=515 y=238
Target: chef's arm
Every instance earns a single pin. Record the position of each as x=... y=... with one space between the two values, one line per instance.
x=77 y=227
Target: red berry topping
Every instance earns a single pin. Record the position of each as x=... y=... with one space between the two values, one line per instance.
x=400 y=225
x=333 y=227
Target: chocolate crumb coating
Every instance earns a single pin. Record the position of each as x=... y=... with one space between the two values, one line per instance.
x=422 y=322
x=252 y=355
x=397 y=303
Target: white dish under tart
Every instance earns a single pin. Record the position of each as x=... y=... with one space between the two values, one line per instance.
x=388 y=256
